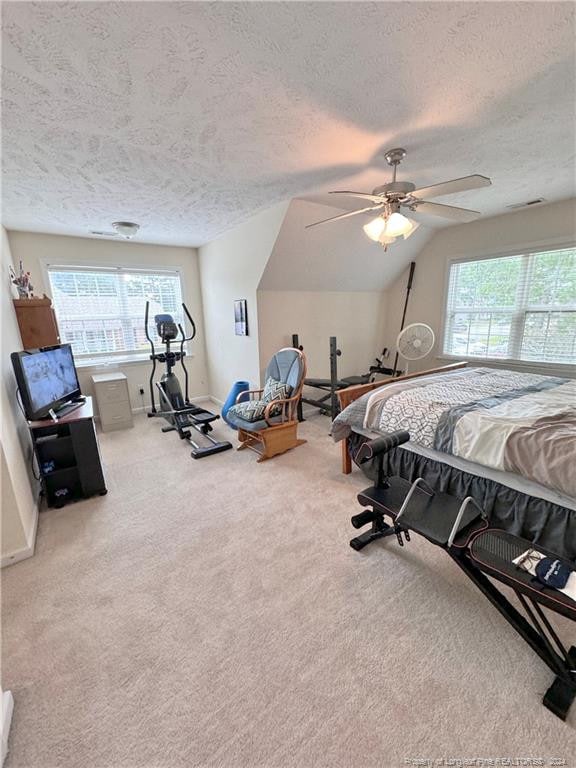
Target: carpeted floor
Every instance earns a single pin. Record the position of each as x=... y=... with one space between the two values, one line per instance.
x=211 y=613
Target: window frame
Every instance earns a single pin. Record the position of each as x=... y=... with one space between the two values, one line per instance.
x=512 y=362
x=125 y=357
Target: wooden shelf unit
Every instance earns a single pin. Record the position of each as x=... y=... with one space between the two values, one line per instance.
x=37 y=323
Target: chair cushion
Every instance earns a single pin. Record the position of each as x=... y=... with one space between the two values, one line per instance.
x=251 y=426
x=286 y=366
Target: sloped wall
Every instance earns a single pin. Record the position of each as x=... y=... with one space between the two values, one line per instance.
x=336 y=256
x=327 y=281
x=231 y=268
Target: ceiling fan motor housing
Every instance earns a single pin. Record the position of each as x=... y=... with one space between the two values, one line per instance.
x=396 y=188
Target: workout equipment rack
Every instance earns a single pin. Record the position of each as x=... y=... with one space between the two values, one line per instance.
x=328 y=403
x=462 y=530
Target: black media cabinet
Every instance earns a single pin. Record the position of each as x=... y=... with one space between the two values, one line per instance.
x=68 y=456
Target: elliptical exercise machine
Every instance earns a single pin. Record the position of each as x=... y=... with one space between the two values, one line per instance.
x=176 y=408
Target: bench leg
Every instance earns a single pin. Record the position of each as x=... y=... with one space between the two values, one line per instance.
x=559 y=697
x=378 y=530
x=359 y=542
x=562 y=692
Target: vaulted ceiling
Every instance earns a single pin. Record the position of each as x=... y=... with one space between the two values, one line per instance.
x=189 y=117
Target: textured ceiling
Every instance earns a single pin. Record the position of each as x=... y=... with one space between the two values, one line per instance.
x=189 y=117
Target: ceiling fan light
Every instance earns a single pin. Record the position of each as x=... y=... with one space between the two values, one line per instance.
x=375 y=228
x=413 y=228
x=397 y=225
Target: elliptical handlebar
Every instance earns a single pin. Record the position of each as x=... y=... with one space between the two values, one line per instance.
x=183 y=341
x=152 y=357
x=192 y=323
x=146 y=315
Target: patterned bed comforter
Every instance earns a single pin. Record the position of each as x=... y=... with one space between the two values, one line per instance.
x=517 y=422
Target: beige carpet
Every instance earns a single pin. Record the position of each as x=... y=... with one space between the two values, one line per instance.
x=211 y=613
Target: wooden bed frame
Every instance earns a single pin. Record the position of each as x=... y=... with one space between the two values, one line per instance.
x=348 y=395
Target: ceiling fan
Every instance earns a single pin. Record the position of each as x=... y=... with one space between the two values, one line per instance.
x=388 y=199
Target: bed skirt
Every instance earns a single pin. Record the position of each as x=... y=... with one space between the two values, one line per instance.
x=539 y=521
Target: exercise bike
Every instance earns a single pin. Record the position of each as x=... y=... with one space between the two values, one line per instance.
x=175 y=407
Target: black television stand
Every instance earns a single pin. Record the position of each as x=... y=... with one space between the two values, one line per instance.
x=68 y=455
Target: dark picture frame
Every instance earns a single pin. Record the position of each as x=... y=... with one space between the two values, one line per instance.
x=240 y=317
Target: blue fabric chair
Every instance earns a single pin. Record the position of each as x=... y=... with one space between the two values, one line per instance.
x=276 y=432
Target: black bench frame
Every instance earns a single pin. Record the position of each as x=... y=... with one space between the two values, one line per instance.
x=467 y=538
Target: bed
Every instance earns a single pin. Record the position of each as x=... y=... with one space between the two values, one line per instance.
x=504 y=437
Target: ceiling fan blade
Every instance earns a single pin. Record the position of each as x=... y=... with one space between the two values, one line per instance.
x=363 y=195
x=346 y=215
x=447 y=211
x=450 y=187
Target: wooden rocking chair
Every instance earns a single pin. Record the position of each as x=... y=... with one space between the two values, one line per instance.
x=277 y=431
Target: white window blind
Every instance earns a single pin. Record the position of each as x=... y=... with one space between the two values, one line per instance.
x=101 y=311
x=520 y=307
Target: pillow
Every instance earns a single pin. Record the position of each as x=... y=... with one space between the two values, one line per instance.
x=275 y=390
x=251 y=410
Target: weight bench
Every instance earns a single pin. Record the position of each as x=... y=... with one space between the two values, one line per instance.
x=328 y=404
x=462 y=530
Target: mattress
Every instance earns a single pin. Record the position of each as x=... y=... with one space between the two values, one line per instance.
x=515 y=423
x=507 y=479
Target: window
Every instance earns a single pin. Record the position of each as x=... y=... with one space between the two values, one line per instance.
x=101 y=311
x=520 y=307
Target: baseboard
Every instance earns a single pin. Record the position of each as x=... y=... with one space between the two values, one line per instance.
x=7 y=710
x=24 y=552
x=215 y=400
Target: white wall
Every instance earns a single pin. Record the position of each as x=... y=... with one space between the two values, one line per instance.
x=543 y=226
x=231 y=268
x=357 y=319
x=19 y=492
x=35 y=249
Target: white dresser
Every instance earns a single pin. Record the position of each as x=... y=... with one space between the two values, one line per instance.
x=111 y=391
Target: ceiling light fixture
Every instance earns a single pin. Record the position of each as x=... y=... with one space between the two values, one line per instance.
x=384 y=229
x=126 y=229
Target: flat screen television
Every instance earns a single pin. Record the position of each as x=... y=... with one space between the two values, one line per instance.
x=46 y=378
